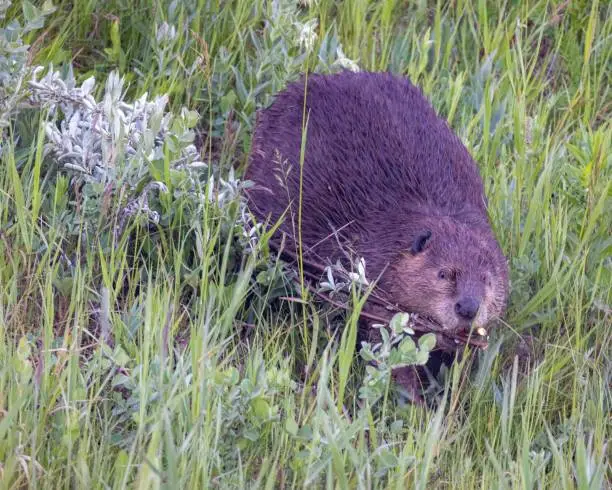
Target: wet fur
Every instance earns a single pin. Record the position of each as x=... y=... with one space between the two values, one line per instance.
x=382 y=174
x=380 y=168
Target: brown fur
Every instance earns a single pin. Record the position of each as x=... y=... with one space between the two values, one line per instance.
x=472 y=271
x=386 y=179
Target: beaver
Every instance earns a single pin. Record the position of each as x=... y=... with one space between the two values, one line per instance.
x=383 y=178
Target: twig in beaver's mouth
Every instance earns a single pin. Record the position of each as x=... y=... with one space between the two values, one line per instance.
x=419 y=324
x=376 y=297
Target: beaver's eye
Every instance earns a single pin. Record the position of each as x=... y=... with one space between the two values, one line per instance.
x=443 y=275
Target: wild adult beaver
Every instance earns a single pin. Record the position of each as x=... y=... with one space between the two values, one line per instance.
x=386 y=179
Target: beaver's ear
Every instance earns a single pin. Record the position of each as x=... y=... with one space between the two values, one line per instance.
x=419 y=242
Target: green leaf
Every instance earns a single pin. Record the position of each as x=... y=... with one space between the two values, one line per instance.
x=427 y=342
x=251 y=434
x=191 y=118
x=421 y=357
x=397 y=426
x=407 y=346
x=30 y=12
x=305 y=432
x=385 y=335
x=366 y=352
x=121 y=357
x=115 y=41
x=228 y=101
x=398 y=322
x=261 y=408
x=387 y=459
x=291 y=426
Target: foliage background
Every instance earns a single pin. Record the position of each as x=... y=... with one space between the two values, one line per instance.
x=143 y=341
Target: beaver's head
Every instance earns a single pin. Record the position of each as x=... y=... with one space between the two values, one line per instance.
x=453 y=273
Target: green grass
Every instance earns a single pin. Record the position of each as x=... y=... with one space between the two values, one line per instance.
x=206 y=381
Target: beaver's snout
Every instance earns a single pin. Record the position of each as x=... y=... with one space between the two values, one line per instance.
x=467 y=308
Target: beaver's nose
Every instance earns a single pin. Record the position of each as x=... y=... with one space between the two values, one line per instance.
x=467 y=308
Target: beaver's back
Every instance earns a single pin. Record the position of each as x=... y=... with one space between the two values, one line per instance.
x=377 y=160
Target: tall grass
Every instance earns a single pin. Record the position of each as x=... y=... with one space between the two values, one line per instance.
x=161 y=357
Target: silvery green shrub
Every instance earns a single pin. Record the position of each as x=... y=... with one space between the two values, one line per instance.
x=14 y=68
x=111 y=138
x=397 y=349
x=112 y=144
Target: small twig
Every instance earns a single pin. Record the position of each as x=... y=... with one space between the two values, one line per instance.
x=377 y=297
